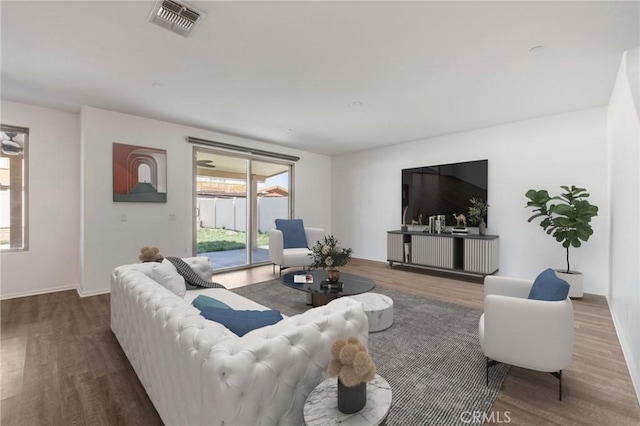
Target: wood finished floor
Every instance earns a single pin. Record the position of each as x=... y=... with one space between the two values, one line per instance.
x=61 y=365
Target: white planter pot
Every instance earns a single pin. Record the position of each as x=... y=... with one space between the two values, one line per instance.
x=574 y=278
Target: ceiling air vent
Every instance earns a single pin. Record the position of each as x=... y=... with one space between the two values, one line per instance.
x=175 y=16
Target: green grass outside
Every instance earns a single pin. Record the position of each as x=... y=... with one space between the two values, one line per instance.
x=217 y=239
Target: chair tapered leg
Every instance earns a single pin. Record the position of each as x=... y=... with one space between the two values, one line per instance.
x=490 y=363
x=487 y=370
x=558 y=375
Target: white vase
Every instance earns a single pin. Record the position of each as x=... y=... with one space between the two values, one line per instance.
x=574 y=278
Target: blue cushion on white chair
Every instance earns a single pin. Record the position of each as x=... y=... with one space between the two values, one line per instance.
x=549 y=287
x=241 y=322
x=292 y=233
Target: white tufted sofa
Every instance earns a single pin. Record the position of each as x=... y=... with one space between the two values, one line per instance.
x=197 y=372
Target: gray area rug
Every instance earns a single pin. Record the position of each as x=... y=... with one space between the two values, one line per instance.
x=430 y=356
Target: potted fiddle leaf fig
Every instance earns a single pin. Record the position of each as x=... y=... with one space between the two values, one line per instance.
x=567 y=218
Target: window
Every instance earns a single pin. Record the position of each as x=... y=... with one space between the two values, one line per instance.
x=13 y=188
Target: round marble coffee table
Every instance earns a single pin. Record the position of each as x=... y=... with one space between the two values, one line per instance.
x=321 y=407
x=378 y=308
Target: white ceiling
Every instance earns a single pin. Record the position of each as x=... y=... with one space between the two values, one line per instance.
x=256 y=69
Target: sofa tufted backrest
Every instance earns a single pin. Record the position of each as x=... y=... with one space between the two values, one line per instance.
x=200 y=264
x=198 y=372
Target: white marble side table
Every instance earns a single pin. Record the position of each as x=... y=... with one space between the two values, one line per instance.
x=378 y=308
x=321 y=407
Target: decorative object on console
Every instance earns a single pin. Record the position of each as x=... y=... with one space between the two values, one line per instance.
x=353 y=367
x=566 y=218
x=432 y=224
x=478 y=214
x=418 y=219
x=461 y=224
x=441 y=223
x=459 y=231
x=461 y=220
x=327 y=254
x=404 y=219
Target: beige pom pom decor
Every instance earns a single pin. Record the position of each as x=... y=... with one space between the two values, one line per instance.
x=149 y=254
x=351 y=362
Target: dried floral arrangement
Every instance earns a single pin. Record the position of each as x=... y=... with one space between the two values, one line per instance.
x=329 y=254
x=351 y=362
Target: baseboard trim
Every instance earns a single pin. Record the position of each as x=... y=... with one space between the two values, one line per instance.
x=38 y=292
x=90 y=293
x=633 y=372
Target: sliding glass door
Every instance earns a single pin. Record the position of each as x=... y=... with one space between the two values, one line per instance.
x=238 y=199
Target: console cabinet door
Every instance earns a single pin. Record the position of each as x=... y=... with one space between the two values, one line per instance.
x=432 y=251
x=394 y=247
x=481 y=256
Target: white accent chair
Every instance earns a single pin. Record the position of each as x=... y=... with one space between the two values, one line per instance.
x=286 y=258
x=532 y=334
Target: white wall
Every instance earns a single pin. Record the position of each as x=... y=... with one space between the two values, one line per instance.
x=107 y=241
x=624 y=137
x=566 y=149
x=51 y=261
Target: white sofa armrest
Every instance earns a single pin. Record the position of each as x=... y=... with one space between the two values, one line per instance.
x=528 y=333
x=201 y=265
x=268 y=373
x=276 y=247
x=507 y=286
x=313 y=235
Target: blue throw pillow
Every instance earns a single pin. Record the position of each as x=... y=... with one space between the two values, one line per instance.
x=241 y=322
x=548 y=286
x=292 y=233
x=201 y=301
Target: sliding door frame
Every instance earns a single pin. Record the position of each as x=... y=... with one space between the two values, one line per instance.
x=251 y=194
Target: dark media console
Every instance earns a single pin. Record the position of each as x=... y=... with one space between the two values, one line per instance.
x=475 y=255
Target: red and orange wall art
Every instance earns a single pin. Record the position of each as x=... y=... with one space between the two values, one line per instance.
x=139 y=174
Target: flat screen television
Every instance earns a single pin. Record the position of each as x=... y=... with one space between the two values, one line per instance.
x=443 y=190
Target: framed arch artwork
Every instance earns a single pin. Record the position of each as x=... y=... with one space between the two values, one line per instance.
x=139 y=174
